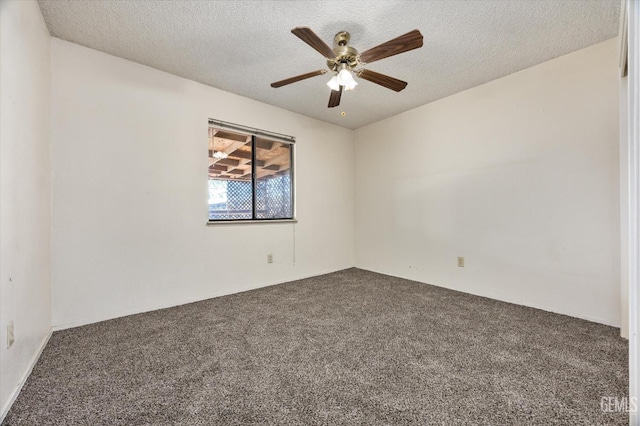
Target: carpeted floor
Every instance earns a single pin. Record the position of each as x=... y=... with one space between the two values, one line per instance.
x=351 y=347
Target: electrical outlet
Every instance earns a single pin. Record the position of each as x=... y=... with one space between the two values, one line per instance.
x=269 y=258
x=460 y=262
x=10 y=337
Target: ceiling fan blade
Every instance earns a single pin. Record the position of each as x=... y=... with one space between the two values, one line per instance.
x=382 y=80
x=308 y=36
x=334 y=99
x=404 y=43
x=297 y=78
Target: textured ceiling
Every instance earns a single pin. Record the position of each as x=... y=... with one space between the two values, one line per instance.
x=243 y=46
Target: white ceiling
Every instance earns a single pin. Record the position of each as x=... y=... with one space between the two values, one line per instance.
x=243 y=46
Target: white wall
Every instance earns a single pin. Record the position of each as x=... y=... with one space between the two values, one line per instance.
x=25 y=90
x=129 y=166
x=519 y=176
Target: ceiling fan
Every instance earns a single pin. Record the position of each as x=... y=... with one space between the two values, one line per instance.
x=343 y=60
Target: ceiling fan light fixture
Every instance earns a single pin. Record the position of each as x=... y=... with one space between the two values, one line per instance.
x=333 y=83
x=351 y=83
x=344 y=75
x=345 y=79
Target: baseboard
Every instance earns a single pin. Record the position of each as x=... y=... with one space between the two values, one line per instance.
x=125 y=313
x=513 y=302
x=25 y=376
x=624 y=335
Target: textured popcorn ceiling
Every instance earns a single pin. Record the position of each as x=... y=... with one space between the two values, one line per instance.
x=243 y=46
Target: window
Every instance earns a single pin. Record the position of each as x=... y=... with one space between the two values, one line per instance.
x=250 y=174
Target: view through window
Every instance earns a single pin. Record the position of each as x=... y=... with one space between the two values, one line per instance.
x=250 y=174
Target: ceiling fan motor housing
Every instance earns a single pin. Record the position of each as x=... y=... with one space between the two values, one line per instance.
x=345 y=54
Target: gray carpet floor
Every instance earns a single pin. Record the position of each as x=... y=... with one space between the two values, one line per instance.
x=351 y=347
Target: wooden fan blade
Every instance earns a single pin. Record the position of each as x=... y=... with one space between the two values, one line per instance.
x=297 y=78
x=334 y=99
x=305 y=34
x=382 y=80
x=404 y=43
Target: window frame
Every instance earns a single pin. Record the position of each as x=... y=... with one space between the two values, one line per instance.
x=255 y=134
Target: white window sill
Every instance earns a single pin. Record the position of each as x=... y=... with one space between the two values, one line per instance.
x=249 y=221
